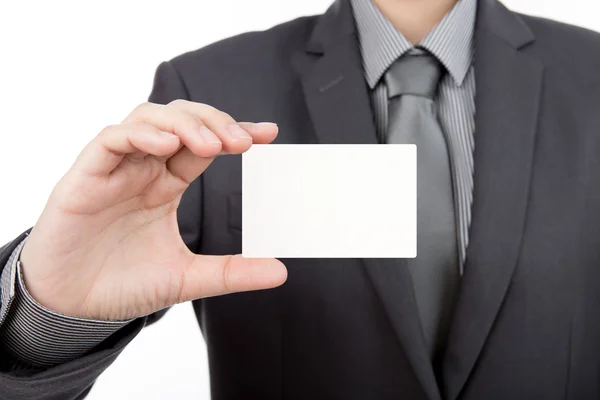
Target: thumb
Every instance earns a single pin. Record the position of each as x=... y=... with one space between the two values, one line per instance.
x=209 y=276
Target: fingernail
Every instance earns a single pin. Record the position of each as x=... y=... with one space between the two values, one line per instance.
x=266 y=124
x=167 y=135
x=238 y=133
x=260 y=126
x=208 y=136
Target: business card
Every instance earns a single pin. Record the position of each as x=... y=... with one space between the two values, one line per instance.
x=329 y=201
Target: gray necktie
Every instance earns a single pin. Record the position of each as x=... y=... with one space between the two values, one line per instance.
x=412 y=82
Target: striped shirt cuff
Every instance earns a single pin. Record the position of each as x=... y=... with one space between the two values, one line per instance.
x=8 y=282
x=38 y=336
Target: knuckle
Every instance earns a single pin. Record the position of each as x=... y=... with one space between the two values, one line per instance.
x=215 y=115
x=208 y=107
x=208 y=111
x=178 y=103
x=226 y=117
x=226 y=277
x=136 y=129
x=190 y=122
x=144 y=108
x=196 y=121
x=108 y=130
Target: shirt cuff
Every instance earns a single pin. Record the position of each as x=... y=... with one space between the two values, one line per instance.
x=8 y=282
x=38 y=336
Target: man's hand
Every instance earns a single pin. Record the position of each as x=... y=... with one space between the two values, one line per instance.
x=107 y=245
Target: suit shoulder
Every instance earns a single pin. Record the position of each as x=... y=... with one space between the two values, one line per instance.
x=570 y=53
x=564 y=37
x=565 y=30
x=247 y=53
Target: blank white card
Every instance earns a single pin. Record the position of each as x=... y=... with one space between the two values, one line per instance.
x=339 y=201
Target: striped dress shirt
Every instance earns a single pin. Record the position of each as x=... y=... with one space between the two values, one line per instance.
x=38 y=337
x=451 y=41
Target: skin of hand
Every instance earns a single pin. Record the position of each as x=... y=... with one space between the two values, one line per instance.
x=107 y=245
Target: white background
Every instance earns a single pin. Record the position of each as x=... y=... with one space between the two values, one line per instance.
x=68 y=68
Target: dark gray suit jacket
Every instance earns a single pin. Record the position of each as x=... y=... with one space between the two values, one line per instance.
x=527 y=323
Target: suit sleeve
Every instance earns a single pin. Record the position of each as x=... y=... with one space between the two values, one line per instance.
x=41 y=377
x=37 y=336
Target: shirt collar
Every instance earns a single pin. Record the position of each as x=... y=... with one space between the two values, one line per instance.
x=451 y=40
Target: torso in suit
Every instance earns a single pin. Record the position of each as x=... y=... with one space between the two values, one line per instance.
x=526 y=324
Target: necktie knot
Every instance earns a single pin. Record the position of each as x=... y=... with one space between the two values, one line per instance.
x=414 y=74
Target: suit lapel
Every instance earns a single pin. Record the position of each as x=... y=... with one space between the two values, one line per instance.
x=338 y=102
x=508 y=90
x=392 y=283
x=333 y=81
